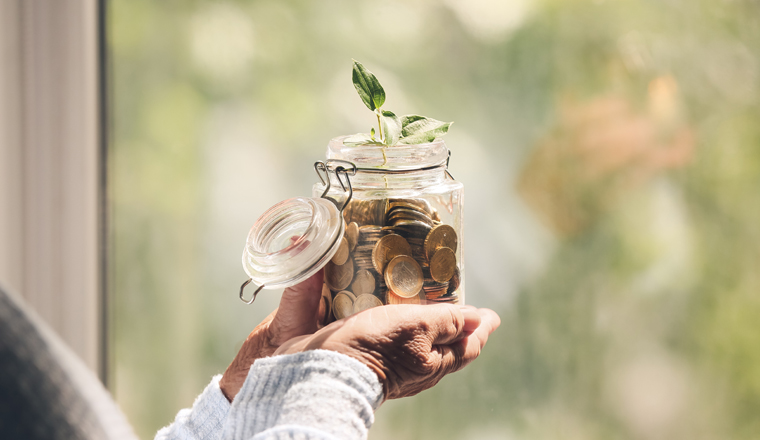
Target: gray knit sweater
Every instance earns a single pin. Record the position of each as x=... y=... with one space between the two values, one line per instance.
x=316 y=394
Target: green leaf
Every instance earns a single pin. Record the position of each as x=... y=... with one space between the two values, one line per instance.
x=391 y=127
x=368 y=87
x=360 y=139
x=408 y=119
x=419 y=129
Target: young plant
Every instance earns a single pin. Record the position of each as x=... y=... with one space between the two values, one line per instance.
x=392 y=130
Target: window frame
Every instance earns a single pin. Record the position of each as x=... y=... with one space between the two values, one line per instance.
x=52 y=167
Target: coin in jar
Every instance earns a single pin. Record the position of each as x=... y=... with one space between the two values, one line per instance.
x=343 y=304
x=348 y=212
x=440 y=236
x=392 y=298
x=421 y=205
x=366 y=301
x=349 y=293
x=381 y=207
x=404 y=276
x=352 y=235
x=325 y=305
x=364 y=283
x=387 y=248
x=443 y=264
x=412 y=227
x=341 y=255
x=400 y=214
x=454 y=282
x=338 y=277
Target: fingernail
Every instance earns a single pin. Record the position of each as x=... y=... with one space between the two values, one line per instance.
x=471 y=320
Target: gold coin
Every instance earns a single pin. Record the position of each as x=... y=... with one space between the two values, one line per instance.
x=364 y=283
x=421 y=205
x=392 y=298
x=348 y=212
x=338 y=277
x=366 y=301
x=404 y=276
x=380 y=209
x=454 y=282
x=343 y=304
x=341 y=255
x=352 y=235
x=368 y=212
x=327 y=300
x=398 y=214
x=443 y=264
x=349 y=293
x=440 y=236
x=356 y=211
x=322 y=312
x=387 y=248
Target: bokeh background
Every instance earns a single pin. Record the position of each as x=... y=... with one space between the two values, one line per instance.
x=610 y=152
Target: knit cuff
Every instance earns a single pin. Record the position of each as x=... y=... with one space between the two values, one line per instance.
x=318 y=389
x=205 y=420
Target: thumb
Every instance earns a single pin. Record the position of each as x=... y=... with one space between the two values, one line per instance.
x=307 y=290
x=297 y=313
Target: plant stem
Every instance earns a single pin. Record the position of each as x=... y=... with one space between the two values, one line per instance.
x=380 y=126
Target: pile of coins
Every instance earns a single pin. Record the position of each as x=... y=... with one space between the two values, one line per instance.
x=394 y=251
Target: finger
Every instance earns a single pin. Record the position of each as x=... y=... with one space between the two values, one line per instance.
x=457 y=355
x=471 y=319
x=448 y=323
x=490 y=321
x=297 y=313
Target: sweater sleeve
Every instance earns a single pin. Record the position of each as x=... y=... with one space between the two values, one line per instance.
x=204 y=421
x=316 y=394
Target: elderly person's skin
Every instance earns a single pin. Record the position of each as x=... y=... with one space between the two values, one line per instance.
x=409 y=347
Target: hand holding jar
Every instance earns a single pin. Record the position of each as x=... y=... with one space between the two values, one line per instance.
x=409 y=347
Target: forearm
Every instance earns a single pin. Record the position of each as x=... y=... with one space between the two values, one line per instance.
x=315 y=394
x=204 y=421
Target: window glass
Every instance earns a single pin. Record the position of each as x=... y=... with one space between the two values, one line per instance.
x=609 y=154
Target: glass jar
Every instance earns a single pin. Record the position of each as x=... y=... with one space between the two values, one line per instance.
x=386 y=224
x=404 y=224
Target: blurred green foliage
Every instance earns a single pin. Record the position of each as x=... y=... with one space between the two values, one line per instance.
x=611 y=153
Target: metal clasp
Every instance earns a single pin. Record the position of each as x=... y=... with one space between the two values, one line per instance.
x=253 y=298
x=447 y=167
x=342 y=169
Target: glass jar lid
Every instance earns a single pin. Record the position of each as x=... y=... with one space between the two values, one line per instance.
x=292 y=241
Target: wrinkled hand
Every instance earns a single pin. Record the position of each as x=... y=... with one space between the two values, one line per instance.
x=409 y=347
x=296 y=316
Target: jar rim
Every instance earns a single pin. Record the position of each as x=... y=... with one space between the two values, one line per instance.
x=396 y=157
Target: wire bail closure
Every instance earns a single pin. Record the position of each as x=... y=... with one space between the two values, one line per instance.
x=340 y=168
x=253 y=298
